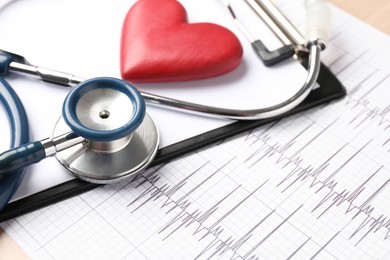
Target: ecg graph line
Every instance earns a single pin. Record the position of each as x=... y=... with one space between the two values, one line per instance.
x=221 y=247
x=339 y=198
x=359 y=85
x=325 y=245
x=281 y=149
x=349 y=63
x=197 y=218
x=299 y=173
x=269 y=234
x=185 y=218
x=367 y=110
x=298 y=249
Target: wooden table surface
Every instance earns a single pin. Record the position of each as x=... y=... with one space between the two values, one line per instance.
x=374 y=12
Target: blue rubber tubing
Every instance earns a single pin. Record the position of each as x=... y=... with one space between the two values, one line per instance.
x=17 y=118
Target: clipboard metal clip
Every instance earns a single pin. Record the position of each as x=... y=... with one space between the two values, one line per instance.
x=292 y=40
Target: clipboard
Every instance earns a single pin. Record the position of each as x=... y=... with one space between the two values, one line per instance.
x=330 y=89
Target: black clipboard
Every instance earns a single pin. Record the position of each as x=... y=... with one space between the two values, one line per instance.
x=330 y=89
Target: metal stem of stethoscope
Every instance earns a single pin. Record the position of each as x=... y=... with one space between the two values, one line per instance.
x=238 y=114
x=277 y=22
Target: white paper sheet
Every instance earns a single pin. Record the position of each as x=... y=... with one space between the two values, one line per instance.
x=82 y=38
x=312 y=186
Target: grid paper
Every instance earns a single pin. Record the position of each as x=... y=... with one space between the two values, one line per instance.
x=314 y=185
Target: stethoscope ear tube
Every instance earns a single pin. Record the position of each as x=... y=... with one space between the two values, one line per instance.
x=20 y=135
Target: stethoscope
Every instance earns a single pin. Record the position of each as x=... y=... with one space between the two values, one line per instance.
x=105 y=135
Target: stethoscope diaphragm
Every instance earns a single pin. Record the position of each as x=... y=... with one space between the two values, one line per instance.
x=120 y=137
x=103 y=135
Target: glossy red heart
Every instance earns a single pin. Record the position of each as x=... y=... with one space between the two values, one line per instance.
x=158 y=44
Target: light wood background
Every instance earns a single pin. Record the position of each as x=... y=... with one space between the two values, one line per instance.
x=374 y=12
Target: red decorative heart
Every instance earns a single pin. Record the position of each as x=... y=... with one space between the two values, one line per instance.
x=158 y=44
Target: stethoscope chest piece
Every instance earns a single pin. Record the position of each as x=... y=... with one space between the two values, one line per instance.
x=121 y=139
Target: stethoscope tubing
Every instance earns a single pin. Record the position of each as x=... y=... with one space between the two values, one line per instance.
x=19 y=135
x=313 y=69
x=314 y=64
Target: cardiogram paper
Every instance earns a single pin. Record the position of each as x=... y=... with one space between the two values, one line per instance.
x=311 y=186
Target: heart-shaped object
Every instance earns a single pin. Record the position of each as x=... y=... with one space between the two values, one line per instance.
x=158 y=44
